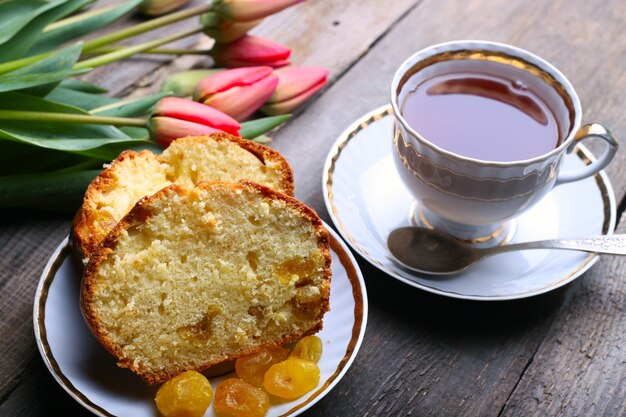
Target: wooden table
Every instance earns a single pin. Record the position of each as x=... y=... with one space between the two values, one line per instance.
x=562 y=353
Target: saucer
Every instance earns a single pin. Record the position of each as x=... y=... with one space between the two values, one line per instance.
x=366 y=200
x=89 y=374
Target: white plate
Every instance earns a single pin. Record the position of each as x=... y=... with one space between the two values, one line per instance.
x=366 y=200
x=89 y=373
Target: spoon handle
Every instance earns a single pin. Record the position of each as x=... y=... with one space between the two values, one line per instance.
x=615 y=244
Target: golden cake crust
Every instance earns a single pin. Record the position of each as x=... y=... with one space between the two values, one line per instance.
x=90 y=225
x=140 y=213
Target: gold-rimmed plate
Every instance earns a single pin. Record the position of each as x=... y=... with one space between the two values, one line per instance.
x=89 y=374
x=367 y=200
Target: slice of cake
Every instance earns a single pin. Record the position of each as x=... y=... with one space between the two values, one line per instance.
x=186 y=161
x=193 y=277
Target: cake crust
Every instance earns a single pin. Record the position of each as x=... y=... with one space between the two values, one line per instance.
x=142 y=212
x=90 y=224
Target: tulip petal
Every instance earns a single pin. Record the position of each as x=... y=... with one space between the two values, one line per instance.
x=283 y=107
x=166 y=129
x=250 y=50
x=246 y=10
x=228 y=79
x=183 y=109
x=241 y=102
x=293 y=81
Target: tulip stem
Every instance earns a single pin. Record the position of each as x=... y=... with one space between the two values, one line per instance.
x=156 y=51
x=128 y=51
x=145 y=27
x=70 y=118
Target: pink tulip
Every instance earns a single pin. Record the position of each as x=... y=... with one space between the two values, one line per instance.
x=223 y=30
x=237 y=92
x=246 y=10
x=295 y=86
x=250 y=51
x=175 y=118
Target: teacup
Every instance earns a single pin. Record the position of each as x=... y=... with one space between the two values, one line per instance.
x=470 y=198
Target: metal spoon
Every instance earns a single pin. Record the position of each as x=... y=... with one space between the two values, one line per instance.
x=433 y=252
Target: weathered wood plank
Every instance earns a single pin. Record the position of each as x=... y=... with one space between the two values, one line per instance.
x=580 y=367
x=27 y=240
x=40 y=395
x=26 y=243
x=423 y=354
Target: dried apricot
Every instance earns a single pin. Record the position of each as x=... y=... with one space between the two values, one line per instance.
x=291 y=378
x=235 y=397
x=186 y=395
x=252 y=368
x=309 y=347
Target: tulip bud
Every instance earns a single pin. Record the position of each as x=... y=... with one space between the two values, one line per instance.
x=247 y=10
x=165 y=130
x=160 y=7
x=237 y=92
x=250 y=51
x=295 y=86
x=175 y=118
x=182 y=84
x=223 y=30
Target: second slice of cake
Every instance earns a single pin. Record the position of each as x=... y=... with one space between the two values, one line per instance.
x=187 y=161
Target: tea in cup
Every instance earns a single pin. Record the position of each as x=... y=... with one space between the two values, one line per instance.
x=480 y=132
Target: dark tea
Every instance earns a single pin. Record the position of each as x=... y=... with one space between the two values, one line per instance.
x=482 y=116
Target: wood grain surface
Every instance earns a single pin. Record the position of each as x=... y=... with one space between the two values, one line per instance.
x=561 y=353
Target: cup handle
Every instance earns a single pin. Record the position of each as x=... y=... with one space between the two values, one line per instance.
x=589 y=131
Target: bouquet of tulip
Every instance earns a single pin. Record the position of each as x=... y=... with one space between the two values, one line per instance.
x=56 y=132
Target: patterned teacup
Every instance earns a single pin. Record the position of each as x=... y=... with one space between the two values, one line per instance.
x=474 y=199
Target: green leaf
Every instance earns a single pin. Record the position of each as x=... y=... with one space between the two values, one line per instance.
x=85 y=101
x=17 y=13
x=72 y=137
x=135 y=132
x=254 y=128
x=67 y=137
x=81 y=24
x=63 y=60
x=10 y=82
x=19 y=44
x=112 y=150
x=26 y=102
x=129 y=108
x=84 y=86
x=105 y=149
x=50 y=191
x=22 y=158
